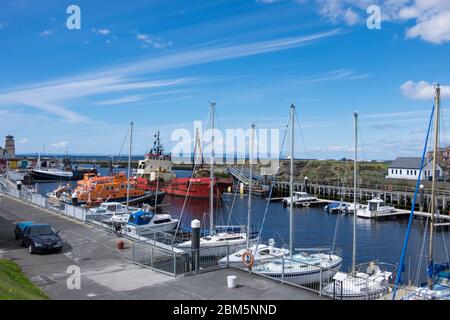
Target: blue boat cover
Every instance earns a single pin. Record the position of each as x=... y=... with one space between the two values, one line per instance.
x=437 y=268
x=141 y=217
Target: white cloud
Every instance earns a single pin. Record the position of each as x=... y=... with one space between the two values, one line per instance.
x=351 y=17
x=431 y=17
x=23 y=141
x=61 y=144
x=46 y=33
x=422 y=90
x=435 y=29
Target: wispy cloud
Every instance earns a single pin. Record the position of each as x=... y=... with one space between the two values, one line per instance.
x=46 y=33
x=337 y=74
x=61 y=144
x=101 y=31
x=122 y=100
x=23 y=141
x=54 y=96
x=155 y=42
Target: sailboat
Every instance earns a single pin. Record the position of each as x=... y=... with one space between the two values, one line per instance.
x=366 y=281
x=304 y=267
x=438 y=275
x=260 y=252
x=221 y=243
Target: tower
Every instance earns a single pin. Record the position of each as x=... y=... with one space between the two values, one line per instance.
x=10 y=147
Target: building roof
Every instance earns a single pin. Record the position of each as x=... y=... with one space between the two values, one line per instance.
x=406 y=163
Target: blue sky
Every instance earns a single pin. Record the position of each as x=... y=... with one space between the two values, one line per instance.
x=159 y=63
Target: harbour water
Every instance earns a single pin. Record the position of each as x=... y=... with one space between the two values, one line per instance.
x=376 y=240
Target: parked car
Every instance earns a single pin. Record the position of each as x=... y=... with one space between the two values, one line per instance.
x=20 y=226
x=40 y=238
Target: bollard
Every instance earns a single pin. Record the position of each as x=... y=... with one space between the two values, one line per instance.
x=195 y=244
x=75 y=199
x=232 y=282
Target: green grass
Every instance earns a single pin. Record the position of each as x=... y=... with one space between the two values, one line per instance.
x=14 y=285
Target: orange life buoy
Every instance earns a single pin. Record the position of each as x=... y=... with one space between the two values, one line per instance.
x=389 y=188
x=248 y=259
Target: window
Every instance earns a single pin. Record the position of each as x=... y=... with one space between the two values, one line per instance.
x=407 y=172
x=401 y=171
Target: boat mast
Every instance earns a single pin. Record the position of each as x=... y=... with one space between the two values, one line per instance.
x=250 y=185
x=291 y=186
x=355 y=211
x=159 y=154
x=433 y=183
x=129 y=166
x=211 y=179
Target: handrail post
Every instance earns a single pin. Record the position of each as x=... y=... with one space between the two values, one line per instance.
x=228 y=255
x=151 y=257
x=282 y=271
x=321 y=280
x=174 y=264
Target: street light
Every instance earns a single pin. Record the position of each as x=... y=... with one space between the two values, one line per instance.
x=306 y=184
x=421 y=197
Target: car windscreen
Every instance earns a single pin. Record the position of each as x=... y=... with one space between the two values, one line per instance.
x=41 y=230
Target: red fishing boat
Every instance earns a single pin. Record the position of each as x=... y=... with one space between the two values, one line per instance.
x=155 y=172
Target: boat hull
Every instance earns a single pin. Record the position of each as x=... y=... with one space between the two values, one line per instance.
x=155 y=228
x=187 y=187
x=302 y=275
x=49 y=176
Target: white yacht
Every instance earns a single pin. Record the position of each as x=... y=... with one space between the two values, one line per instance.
x=144 y=223
x=260 y=252
x=362 y=282
x=219 y=243
x=375 y=208
x=368 y=285
x=299 y=198
x=306 y=267
x=303 y=268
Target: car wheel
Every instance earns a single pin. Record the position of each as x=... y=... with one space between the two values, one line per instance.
x=31 y=249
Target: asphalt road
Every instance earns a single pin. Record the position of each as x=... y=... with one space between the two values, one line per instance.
x=106 y=272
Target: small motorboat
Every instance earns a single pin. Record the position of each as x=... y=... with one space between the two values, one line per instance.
x=299 y=198
x=109 y=211
x=375 y=208
x=143 y=223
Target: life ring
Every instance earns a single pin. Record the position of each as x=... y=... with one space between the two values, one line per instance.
x=389 y=188
x=248 y=259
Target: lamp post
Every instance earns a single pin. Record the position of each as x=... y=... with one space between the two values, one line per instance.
x=421 y=197
x=306 y=184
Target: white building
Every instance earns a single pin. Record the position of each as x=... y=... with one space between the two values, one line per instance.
x=408 y=168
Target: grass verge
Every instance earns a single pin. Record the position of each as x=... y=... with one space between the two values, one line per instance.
x=14 y=285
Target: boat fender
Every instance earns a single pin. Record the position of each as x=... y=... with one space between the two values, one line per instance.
x=248 y=259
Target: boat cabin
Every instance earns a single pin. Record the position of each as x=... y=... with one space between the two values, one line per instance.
x=375 y=204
